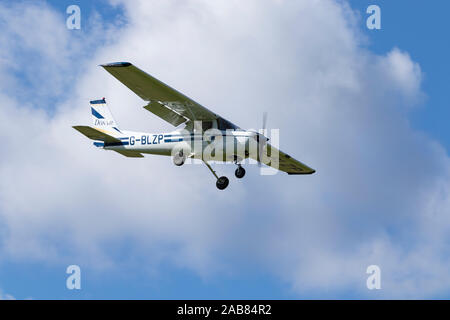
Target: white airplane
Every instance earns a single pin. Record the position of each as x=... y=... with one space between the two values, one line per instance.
x=205 y=136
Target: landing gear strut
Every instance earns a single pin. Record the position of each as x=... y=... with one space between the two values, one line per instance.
x=222 y=182
x=240 y=172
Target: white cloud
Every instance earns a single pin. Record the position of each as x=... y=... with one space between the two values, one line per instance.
x=405 y=74
x=380 y=194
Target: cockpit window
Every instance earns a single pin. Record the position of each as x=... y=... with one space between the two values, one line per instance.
x=206 y=125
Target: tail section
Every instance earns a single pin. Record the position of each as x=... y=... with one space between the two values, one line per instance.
x=97 y=134
x=101 y=115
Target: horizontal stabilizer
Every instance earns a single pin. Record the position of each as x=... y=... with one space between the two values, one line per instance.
x=96 y=134
x=130 y=154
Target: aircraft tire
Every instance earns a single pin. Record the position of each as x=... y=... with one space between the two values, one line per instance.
x=240 y=172
x=222 y=183
x=179 y=158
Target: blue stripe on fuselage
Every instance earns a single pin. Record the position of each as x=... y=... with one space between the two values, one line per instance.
x=113 y=144
x=173 y=140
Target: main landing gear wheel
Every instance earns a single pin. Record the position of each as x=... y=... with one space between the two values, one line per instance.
x=179 y=158
x=240 y=172
x=222 y=183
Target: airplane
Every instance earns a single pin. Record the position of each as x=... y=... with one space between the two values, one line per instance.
x=224 y=142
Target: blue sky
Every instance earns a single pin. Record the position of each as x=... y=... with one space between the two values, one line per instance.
x=250 y=251
x=419 y=28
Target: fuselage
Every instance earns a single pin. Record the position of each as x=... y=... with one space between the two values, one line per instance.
x=230 y=145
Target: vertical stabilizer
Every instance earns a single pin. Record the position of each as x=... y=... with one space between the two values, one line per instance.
x=101 y=115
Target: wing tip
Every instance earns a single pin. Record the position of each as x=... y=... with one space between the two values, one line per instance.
x=116 y=64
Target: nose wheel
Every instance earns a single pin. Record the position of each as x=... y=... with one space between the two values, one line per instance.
x=240 y=172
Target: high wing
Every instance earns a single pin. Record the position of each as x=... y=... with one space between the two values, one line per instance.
x=285 y=162
x=164 y=101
